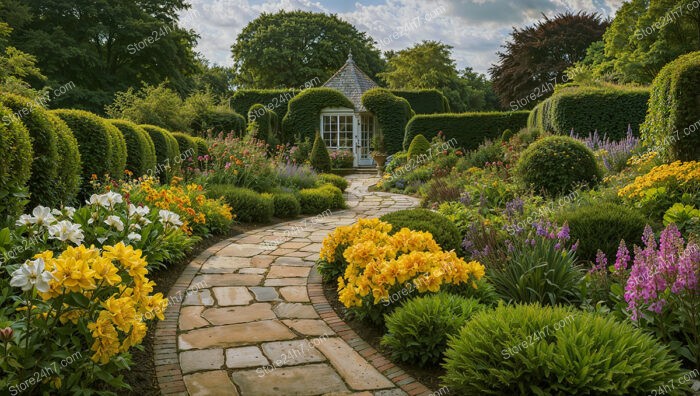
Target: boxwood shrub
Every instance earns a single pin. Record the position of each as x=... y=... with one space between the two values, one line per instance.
x=98 y=144
x=529 y=349
x=273 y=99
x=392 y=112
x=69 y=161
x=249 y=206
x=286 y=205
x=424 y=101
x=42 y=183
x=417 y=332
x=419 y=146
x=304 y=111
x=140 y=150
x=216 y=120
x=264 y=120
x=167 y=152
x=672 y=123
x=15 y=165
x=556 y=165
x=186 y=144
x=320 y=158
x=602 y=226
x=329 y=178
x=469 y=129
x=444 y=231
x=320 y=199
x=608 y=110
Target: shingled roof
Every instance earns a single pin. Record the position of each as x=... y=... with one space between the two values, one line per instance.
x=352 y=82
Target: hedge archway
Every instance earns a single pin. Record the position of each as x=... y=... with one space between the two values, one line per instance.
x=392 y=112
x=303 y=116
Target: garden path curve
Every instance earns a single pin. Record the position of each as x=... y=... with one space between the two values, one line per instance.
x=248 y=316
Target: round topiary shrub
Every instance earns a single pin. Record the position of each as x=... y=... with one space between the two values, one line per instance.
x=167 y=153
x=249 y=206
x=286 y=205
x=506 y=135
x=419 y=146
x=338 y=181
x=417 y=332
x=69 y=162
x=15 y=165
x=529 y=349
x=42 y=183
x=320 y=159
x=97 y=143
x=444 y=231
x=318 y=200
x=602 y=226
x=556 y=165
x=140 y=150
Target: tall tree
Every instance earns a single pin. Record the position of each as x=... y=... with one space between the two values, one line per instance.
x=647 y=34
x=104 y=46
x=429 y=64
x=289 y=49
x=536 y=56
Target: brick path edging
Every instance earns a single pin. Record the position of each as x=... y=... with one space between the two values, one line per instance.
x=400 y=378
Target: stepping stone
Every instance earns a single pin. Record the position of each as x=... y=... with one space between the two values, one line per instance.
x=190 y=318
x=354 y=369
x=291 y=261
x=233 y=315
x=265 y=293
x=200 y=360
x=236 y=295
x=285 y=282
x=199 y=297
x=294 y=293
x=292 y=353
x=295 y=311
x=229 y=280
x=224 y=265
x=396 y=392
x=259 y=271
x=293 y=245
x=261 y=261
x=235 y=335
x=309 y=327
x=210 y=383
x=241 y=250
x=244 y=357
x=310 y=380
x=277 y=271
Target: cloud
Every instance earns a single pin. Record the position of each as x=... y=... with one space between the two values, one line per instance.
x=475 y=28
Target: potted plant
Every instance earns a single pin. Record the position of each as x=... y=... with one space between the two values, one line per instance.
x=378 y=153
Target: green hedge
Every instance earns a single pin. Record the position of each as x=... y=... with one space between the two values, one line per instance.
x=469 y=129
x=607 y=110
x=424 y=101
x=392 y=112
x=218 y=120
x=444 y=232
x=167 y=153
x=15 y=165
x=320 y=199
x=42 y=183
x=303 y=115
x=186 y=145
x=141 y=152
x=247 y=205
x=672 y=123
x=99 y=142
x=286 y=205
x=69 y=161
x=264 y=118
x=274 y=99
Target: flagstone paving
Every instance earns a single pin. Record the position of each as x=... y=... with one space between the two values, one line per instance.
x=247 y=325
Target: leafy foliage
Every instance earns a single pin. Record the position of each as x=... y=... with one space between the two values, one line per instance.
x=317 y=200
x=247 y=205
x=443 y=230
x=69 y=163
x=277 y=99
x=392 y=112
x=528 y=349
x=286 y=205
x=16 y=155
x=167 y=149
x=338 y=181
x=141 y=152
x=417 y=332
x=320 y=159
x=154 y=105
x=419 y=146
x=305 y=109
x=424 y=101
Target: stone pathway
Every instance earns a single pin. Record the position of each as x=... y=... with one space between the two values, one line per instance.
x=248 y=316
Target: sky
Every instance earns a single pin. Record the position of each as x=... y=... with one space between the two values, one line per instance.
x=476 y=29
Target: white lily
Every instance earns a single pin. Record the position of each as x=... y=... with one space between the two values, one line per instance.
x=169 y=218
x=112 y=199
x=115 y=222
x=24 y=220
x=67 y=231
x=42 y=216
x=31 y=274
x=134 y=237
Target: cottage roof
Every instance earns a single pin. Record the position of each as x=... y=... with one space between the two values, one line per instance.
x=351 y=82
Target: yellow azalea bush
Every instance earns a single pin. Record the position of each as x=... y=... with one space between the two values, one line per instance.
x=87 y=303
x=377 y=266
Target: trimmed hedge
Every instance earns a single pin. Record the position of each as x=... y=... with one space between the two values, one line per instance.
x=218 y=120
x=287 y=206
x=186 y=144
x=674 y=110
x=141 y=152
x=15 y=165
x=249 y=206
x=424 y=101
x=336 y=180
x=202 y=146
x=320 y=199
x=167 y=151
x=273 y=99
x=264 y=119
x=42 y=183
x=99 y=145
x=69 y=161
x=419 y=146
x=469 y=129
x=392 y=112
x=445 y=232
x=303 y=115
x=586 y=109
x=320 y=158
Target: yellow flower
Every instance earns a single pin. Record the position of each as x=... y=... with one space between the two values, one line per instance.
x=106 y=339
x=74 y=275
x=106 y=271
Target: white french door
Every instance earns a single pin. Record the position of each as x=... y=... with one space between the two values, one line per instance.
x=344 y=130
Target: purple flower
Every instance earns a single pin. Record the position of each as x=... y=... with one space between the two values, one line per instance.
x=574 y=247
x=622 y=258
x=564 y=232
